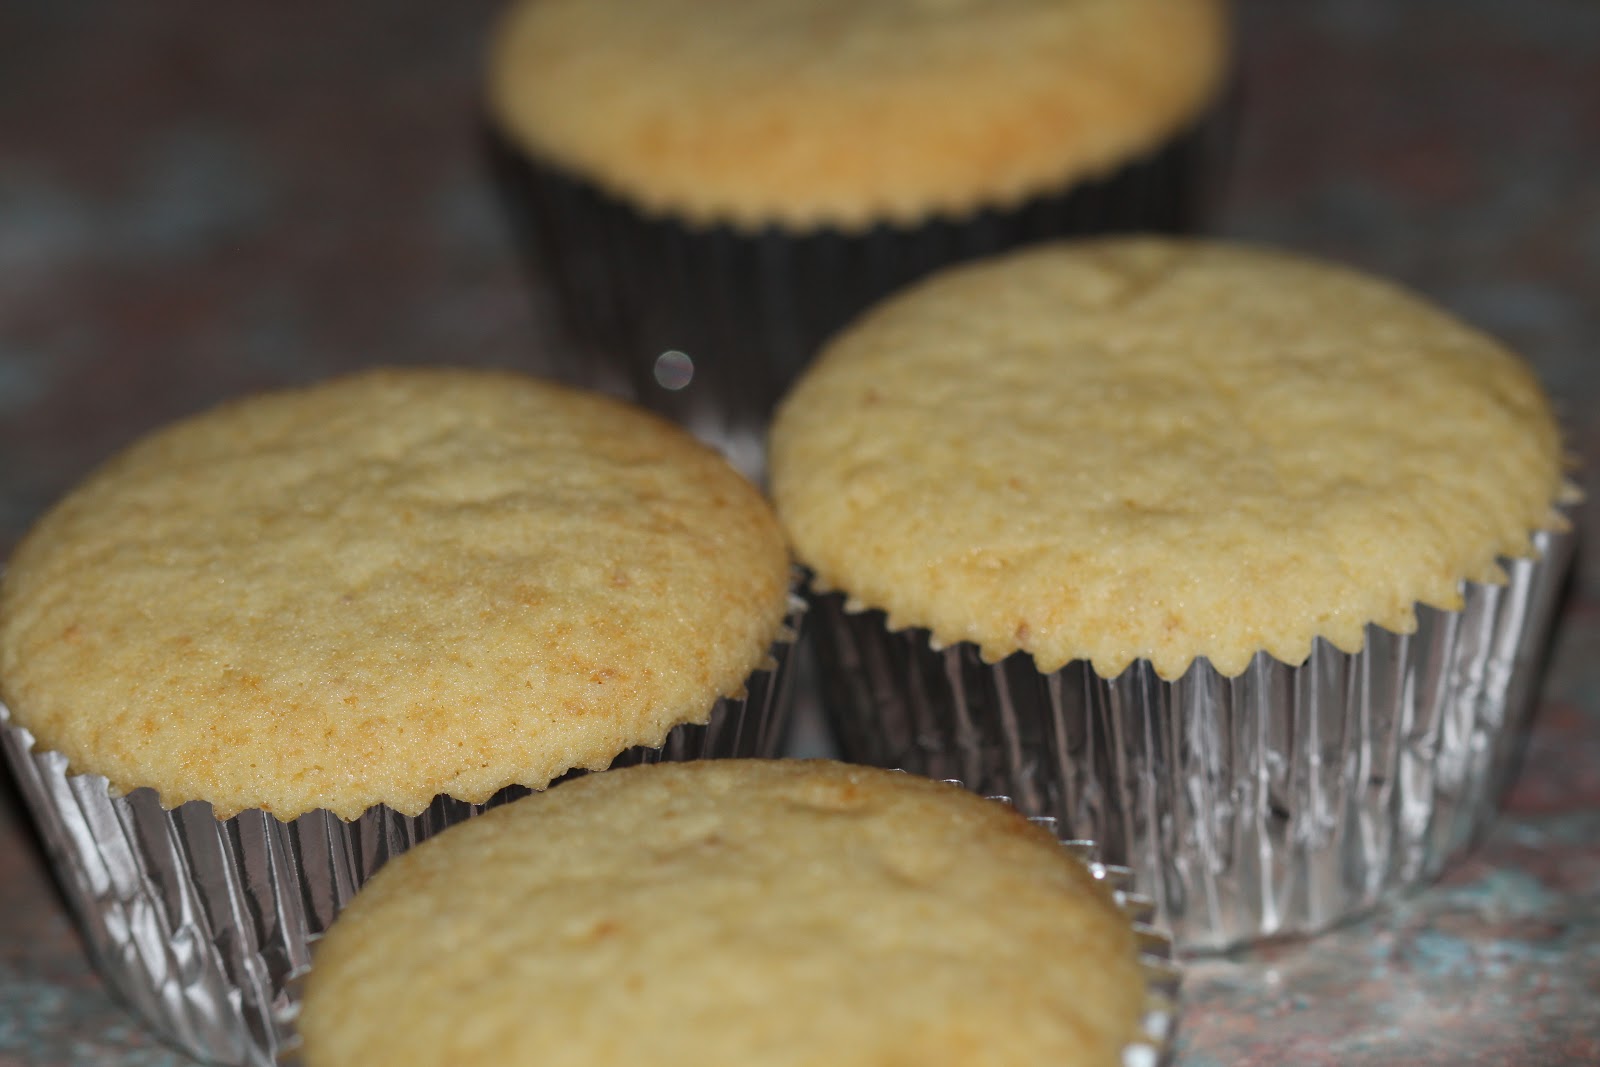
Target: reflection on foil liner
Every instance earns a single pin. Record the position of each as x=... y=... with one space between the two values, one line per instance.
x=1158 y=1022
x=198 y=923
x=1277 y=802
x=1163 y=978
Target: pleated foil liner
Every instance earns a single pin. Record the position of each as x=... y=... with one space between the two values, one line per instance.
x=1278 y=802
x=1163 y=978
x=708 y=325
x=197 y=923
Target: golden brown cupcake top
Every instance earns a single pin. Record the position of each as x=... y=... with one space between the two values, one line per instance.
x=1144 y=449
x=764 y=913
x=803 y=113
x=384 y=588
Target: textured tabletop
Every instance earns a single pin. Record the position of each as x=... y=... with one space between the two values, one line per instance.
x=199 y=199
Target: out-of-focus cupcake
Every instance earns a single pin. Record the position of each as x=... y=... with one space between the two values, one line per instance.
x=1237 y=562
x=714 y=188
x=757 y=912
x=272 y=645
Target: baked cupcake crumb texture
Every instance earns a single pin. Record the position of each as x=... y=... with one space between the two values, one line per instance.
x=1161 y=450
x=384 y=588
x=843 y=113
x=751 y=912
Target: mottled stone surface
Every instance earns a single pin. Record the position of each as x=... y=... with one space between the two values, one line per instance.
x=198 y=199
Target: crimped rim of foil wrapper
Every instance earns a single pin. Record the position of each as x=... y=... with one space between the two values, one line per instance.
x=197 y=923
x=1163 y=977
x=1278 y=802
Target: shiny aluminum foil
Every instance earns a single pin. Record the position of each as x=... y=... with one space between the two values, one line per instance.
x=198 y=923
x=1277 y=802
x=1163 y=978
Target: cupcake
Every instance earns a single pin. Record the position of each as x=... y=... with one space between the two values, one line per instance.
x=712 y=189
x=268 y=647
x=752 y=912
x=1236 y=562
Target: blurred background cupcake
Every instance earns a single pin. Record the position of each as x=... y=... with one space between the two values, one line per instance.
x=712 y=189
x=1238 y=563
x=746 y=912
x=272 y=645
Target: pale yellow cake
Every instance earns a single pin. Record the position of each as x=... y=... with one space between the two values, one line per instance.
x=761 y=913
x=1144 y=449
x=848 y=112
x=387 y=587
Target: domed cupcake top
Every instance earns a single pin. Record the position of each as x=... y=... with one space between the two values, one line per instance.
x=1145 y=449
x=803 y=113
x=775 y=912
x=384 y=588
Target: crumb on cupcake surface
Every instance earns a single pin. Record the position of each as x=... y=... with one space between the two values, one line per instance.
x=801 y=113
x=762 y=913
x=391 y=586
x=1149 y=449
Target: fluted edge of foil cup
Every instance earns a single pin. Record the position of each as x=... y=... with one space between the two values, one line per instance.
x=197 y=924
x=1163 y=978
x=1279 y=802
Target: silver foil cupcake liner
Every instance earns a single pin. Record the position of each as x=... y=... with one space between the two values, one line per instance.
x=1277 y=802
x=1158 y=1023
x=708 y=325
x=1163 y=978
x=197 y=923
